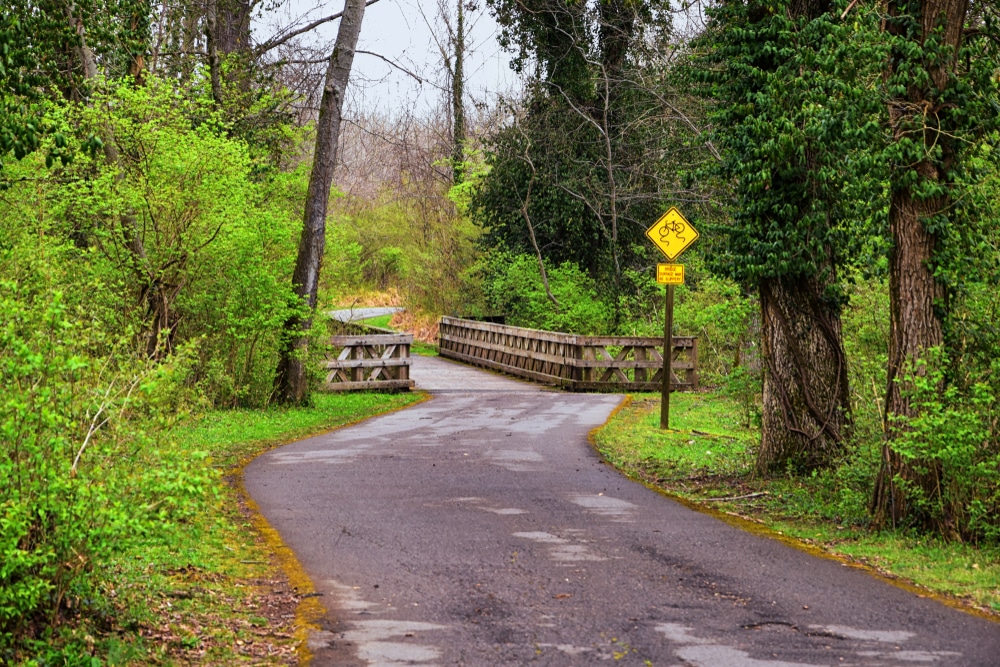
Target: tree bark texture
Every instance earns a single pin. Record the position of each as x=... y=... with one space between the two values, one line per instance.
x=457 y=98
x=233 y=18
x=806 y=408
x=916 y=297
x=292 y=378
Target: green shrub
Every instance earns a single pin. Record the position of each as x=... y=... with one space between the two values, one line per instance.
x=218 y=242
x=79 y=479
x=385 y=266
x=513 y=286
x=865 y=326
x=717 y=312
x=713 y=309
x=953 y=438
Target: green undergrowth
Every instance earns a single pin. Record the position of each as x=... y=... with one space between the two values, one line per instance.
x=208 y=591
x=707 y=457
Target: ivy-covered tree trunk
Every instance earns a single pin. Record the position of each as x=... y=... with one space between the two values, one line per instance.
x=927 y=36
x=292 y=378
x=777 y=76
x=805 y=400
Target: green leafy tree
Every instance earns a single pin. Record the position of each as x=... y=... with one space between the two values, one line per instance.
x=218 y=242
x=791 y=113
x=27 y=32
x=580 y=170
x=942 y=89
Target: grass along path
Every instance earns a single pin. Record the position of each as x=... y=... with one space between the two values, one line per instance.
x=705 y=460
x=212 y=592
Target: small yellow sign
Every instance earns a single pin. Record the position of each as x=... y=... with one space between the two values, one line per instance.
x=670 y=274
x=672 y=234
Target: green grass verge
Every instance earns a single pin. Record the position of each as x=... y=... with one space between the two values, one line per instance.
x=707 y=457
x=424 y=349
x=232 y=435
x=382 y=321
x=210 y=591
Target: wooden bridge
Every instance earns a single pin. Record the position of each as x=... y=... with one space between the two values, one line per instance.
x=376 y=360
x=576 y=363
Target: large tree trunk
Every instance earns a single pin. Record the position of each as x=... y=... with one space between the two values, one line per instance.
x=914 y=326
x=806 y=407
x=292 y=379
x=227 y=33
x=916 y=297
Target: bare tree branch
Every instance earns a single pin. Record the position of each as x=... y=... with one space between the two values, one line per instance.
x=527 y=220
x=275 y=42
x=393 y=63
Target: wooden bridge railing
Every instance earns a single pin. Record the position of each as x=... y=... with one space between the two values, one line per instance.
x=369 y=362
x=577 y=363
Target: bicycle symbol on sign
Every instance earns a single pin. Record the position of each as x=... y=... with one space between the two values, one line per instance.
x=675 y=227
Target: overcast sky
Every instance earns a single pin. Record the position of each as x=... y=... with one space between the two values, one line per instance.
x=398 y=31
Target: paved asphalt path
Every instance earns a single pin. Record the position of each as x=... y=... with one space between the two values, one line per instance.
x=480 y=528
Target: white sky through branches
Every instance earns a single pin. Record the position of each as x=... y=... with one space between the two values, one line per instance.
x=398 y=31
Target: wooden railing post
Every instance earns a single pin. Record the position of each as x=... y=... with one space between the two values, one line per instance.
x=640 y=355
x=357 y=373
x=402 y=352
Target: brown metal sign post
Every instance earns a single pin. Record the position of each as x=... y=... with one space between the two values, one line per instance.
x=668 y=355
x=672 y=234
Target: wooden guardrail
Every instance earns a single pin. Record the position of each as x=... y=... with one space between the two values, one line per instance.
x=577 y=363
x=369 y=362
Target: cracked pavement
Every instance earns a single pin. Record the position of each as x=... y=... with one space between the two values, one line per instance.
x=481 y=528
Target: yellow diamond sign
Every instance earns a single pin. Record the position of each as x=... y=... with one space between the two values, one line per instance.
x=672 y=234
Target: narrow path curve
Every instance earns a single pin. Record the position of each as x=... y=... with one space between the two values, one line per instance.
x=358 y=314
x=480 y=528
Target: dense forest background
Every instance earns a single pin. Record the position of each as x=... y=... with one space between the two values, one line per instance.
x=839 y=159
